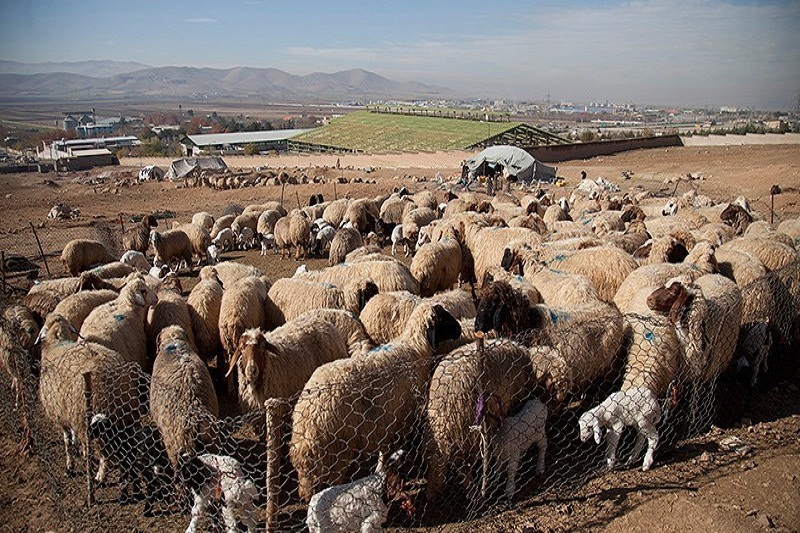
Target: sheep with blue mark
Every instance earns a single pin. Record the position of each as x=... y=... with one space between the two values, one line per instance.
x=292 y=297
x=170 y=310
x=351 y=409
x=120 y=323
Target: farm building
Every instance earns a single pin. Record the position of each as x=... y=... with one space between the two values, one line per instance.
x=76 y=154
x=227 y=143
x=371 y=131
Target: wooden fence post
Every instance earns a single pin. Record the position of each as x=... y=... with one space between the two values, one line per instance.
x=484 y=431
x=41 y=251
x=283 y=187
x=3 y=268
x=87 y=396
x=334 y=191
x=274 y=438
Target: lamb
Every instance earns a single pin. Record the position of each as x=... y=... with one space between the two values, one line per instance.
x=294 y=296
x=77 y=307
x=225 y=239
x=344 y=241
x=386 y=315
x=504 y=375
x=351 y=408
x=635 y=407
x=204 y=303
x=138 y=237
x=516 y=436
x=172 y=245
x=278 y=364
x=267 y=243
x=212 y=254
x=136 y=259
x=221 y=223
x=361 y=505
x=115 y=384
x=246 y=238
x=81 y=254
x=323 y=239
x=139 y=452
x=229 y=272
x=120 y=323
x=203 y=219
x=183 y=403
x=397 y=238
x=210 y=477
x=437 y=265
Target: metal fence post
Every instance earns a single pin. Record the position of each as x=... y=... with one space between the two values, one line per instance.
x=87 y=396
x=41 y=251
x=274 y=439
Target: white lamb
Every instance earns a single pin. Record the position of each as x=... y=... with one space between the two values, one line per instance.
x=357 y=506
x=204 y=475
x=212 y=253
x=635 y=407
x=136 y=260
x=397 y=238
x=515 y=438
x=224 y=239
x=267 y=243
x=246 y=238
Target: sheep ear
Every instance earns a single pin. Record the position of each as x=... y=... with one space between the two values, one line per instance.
x=42 y=334
x=597 y=435
x=381 y=463
x=139 y=299
x=234 y=359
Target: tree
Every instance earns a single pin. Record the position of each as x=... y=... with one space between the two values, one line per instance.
x=251 y=149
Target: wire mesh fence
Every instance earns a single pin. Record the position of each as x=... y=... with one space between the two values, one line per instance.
x=397 y=437
x=34 y=251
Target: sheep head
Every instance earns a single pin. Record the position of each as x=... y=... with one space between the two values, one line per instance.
x=138 y=292
x=702 y=256
x=251 y=354
x=439 y=325
x=56 y=329
x=589 y=425
x=672 y=300
x=502 y=309
x=150 y=221
x=169 y=335
x=632 y=213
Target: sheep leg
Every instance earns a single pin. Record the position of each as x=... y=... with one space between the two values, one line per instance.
x=637 y=448
x=198 y=509
x=612 y=440
x=229 y=518
x=102 y=470
x=542 y=445
x=394 y=248
x=511 y=471
x=374 y=522
x=68 y=452
x=652 y=443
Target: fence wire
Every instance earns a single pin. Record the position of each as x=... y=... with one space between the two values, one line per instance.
x=488 y=425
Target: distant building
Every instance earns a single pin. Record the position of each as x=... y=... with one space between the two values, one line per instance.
x=231 y=143
x=75 y=154
x=70 y=123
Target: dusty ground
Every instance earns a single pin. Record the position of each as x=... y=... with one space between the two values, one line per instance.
x=696 y=487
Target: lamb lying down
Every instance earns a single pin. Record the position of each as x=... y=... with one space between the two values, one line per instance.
x=210 y=476
x=635 y=407
x=362 y=505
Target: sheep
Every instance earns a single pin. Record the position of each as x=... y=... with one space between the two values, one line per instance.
x=229 y=272
x=241 y=308
x=773 y=254
x=212 y=477
x=24 y=324
x=135 y=259
x=555 y=213
x=344 y=241
x=294 y=296
x=298 y=234
x=487 y=245
x=388 y=274
x=212 y=254
x=225 y=239
x=172 y=245
x=740 y=266
x=199 y=238
x=362 y=214
x=45 y=295
x=183 y=403
x=363 y=252
x=504 y=310
x=502 y=370
x=351 y=408
x=605 y=266
x=267 y=206
x=204 y=302
x=266 y=221
x=635 y=407
x=77 y=307
x=245 y=220
x=516 y=436
x=416 y=219
x=701 y=260
x=278 y=364
x=437 y=265
x=246 y=238
x=737 y=217
x=114 y=269
x=386 y=314
x=137 y=238
x=139 y=452
x=352 y=329
x=13 y=358
x=334 y=213
x=203 y=219
x=267 y=243
x=361 y=505
x=323 y=239
x=115 y=385
x=170 y=310
x=221 y=223
x=791 y=228
x=81 y=254
x=517 y=282
x=765 y=230
x=397 y=238
x=120 y=323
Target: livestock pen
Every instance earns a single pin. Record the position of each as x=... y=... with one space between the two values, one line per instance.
x=455 y=439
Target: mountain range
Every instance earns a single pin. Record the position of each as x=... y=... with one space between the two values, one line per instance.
x=110 y=79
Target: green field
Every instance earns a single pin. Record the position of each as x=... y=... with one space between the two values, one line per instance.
x=378 y=132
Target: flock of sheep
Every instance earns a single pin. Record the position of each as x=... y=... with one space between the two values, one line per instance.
x=378 y=358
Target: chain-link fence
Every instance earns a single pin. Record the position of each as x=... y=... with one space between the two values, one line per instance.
x=490 y=424
x=34 y=251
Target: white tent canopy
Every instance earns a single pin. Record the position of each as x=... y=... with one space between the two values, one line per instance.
x=151 y=172
x=182 y=167
x=515 y=163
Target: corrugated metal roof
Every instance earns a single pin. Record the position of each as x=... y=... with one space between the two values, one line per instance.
x=244 y=137
x=88 y=153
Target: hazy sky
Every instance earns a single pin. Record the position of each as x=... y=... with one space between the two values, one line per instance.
x=683 y=52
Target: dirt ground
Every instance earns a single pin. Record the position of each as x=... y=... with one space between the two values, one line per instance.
x=697 y=487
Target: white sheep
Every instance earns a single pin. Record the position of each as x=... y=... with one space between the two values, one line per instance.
x=397 y=238
x=136 y=259
x=224 y=239
x=211 y=477
x=361 y=505
x=636 y=407
x=267 y=243
x=212 y=253
x=517 y=434
x=246 y=238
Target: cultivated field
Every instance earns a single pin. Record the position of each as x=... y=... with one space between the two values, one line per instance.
x=697 y=485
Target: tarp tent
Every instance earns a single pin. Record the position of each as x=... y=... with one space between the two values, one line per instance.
x=182 y=167
x=515 y=163
x=151 y=172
